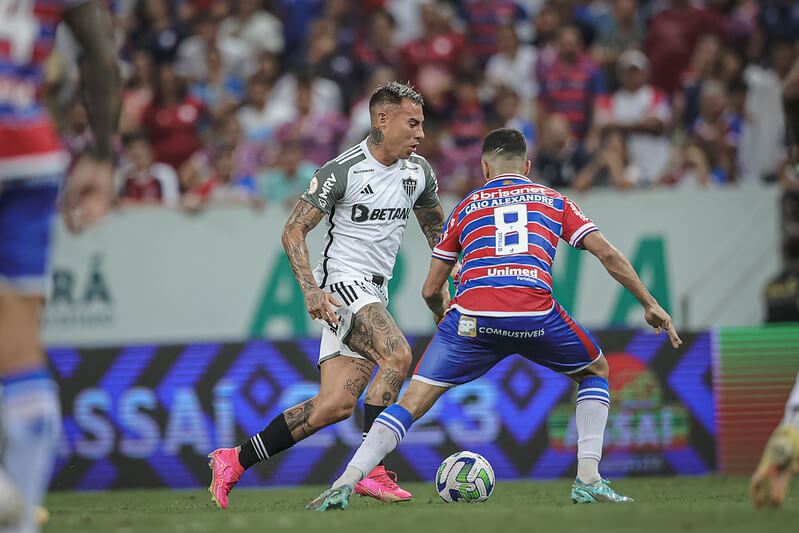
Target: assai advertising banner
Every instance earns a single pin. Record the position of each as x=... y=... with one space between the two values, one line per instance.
x=146 y=415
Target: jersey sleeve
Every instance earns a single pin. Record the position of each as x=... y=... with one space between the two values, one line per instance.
x=327 y=187
x=429 y=196
x=449 y=244
x=575 y=224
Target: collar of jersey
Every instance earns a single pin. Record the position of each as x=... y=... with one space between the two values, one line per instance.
x=373 y=159
x=517 y=177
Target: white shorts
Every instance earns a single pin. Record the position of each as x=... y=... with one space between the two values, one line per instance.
x=355 y=294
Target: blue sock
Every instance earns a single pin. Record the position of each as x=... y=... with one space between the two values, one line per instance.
x=397 y=419
x=387 y=432
x=31 y=416
x=594 y=388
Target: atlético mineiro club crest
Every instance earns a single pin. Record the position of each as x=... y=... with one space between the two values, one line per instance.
x=409 y=184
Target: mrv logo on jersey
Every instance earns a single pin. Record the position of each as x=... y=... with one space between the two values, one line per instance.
x=361 y=213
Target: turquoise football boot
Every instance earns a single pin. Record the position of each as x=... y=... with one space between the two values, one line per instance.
x=337 y=498
x=597 y=492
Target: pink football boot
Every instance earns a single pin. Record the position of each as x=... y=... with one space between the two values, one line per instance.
x=381 y=485
x=225 y=473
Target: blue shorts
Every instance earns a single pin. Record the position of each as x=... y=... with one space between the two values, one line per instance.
x=466 y=347
x=26 y=216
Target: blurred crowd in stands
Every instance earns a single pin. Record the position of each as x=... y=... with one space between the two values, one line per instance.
x=239 y=101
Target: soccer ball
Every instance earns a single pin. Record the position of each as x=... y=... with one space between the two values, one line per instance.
x=465 y=477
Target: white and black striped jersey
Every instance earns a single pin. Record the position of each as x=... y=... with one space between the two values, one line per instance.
x=368 y=206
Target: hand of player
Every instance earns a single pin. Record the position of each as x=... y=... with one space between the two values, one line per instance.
x=321 y=304
x=438 y=314
x=658 y=318
x=87 y=195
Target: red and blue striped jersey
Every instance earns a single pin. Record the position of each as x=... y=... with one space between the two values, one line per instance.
x=508 y=232
x=29 y=144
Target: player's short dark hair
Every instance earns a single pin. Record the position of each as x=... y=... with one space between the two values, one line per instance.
x=392 y=93
x=507 y=143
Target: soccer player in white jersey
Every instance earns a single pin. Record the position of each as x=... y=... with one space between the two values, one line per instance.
x=769 y=484
x=32 y=166
x=366 y=196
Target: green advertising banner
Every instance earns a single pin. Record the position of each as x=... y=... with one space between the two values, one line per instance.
x=156 y=275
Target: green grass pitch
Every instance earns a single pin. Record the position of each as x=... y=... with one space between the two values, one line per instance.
x=703 y=505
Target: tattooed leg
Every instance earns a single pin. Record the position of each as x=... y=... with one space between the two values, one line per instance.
x=376 y=336
x=343 y=381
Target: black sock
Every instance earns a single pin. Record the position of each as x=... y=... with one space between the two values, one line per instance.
x=275 y=438
x=370 y=413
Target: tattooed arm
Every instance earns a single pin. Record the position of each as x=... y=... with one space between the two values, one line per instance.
x=88 y=191
x=100 y=81
x=303 y=219
x=431 y=220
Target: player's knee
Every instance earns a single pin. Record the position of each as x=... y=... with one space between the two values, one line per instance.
x=599 y=368
x=335 y=409
x=402 y=358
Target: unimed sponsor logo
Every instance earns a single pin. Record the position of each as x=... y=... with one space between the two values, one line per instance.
x=518 y=272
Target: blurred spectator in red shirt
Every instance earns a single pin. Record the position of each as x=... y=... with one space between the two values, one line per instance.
x=260 y=29
x=671 y=38
x=378 y=47
x=513 y=66
x=483 y=18
x=433 y=58
x=571 y=85
x=138 y=94
x=224 y=187
x=317 y=133
x=171 y=119
x=142 y=180
x=237 y=57
x=248 y=156
x=641 y=113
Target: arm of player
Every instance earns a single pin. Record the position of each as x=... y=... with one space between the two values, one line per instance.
x=303 y=218
x=88 y=191
x=435 y=291
x=431 y=220
x=100 y=80
x=622 y=271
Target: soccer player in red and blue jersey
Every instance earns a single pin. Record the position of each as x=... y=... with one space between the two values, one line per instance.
x=32 y=166
x=506 y=233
